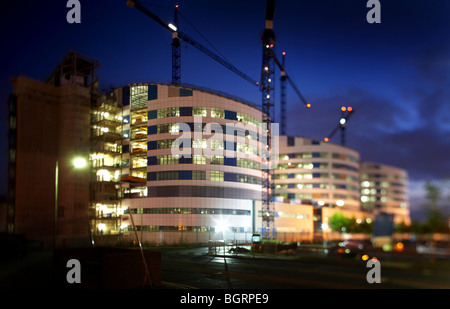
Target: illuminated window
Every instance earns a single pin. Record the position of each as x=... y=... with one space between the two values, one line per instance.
x=199 y=111
x=247 y=149
x=241 y=162
x=217 y=160
x=138 y=147
x=167 y=143
x=198 y=175
x=216 y=176
x=216 y=144
x=168 y=159
x=247 y=119
x=169 y=128
x=169 y=112
x=198 y=159
x=308 y=165
x=307 y=176
x=281 y=176
x=199 y=143
x=137 y=162
x=139 y=97
x=217 y=113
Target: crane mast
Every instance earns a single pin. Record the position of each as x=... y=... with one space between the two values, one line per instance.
x=176 y=51
x=347 y=112
x=266 y=86
x=268 y=112
x=283 y=97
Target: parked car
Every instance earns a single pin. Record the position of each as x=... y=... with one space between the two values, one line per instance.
x=349 y=248
x=438 y=248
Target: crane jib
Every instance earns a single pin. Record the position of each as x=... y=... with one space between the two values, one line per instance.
x=186 y=38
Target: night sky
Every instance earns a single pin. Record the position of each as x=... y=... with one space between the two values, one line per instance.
x=396 y=74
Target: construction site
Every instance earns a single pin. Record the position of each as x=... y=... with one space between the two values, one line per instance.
x=172 y=185
x=108 y=170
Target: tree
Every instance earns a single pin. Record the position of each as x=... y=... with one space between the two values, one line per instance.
x=435 y=208
x=338 y=222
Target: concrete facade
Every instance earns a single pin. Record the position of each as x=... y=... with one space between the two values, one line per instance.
x=51 y=125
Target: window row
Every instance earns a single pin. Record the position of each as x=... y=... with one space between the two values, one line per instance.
x=301 y=176
x=199 y=159
x=306 y=165
x=202 y=175
x=204 y=128
x=204 y=191
x=190 y=210
x=304 y=155
x=307 y=155
x=315 y=186
x=197 y=143
x=177 y=111
x=202 y=229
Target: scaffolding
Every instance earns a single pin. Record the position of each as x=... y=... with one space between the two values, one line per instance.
x=106 y=165
x=76 y=69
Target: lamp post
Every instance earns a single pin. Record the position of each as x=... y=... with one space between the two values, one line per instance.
x=78 y=163
x=56 y=204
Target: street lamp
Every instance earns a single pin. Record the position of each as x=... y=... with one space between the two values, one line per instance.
x=78 y=163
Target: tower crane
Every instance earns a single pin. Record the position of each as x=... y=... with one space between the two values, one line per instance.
x=177 y=36
x=347 y=112
x=267 y=77
x=283 y=97
x=269 y=60
x=284 y=79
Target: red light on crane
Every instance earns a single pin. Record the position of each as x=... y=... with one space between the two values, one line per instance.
x=349 y=108
x=343 y=108
x=326 y=139
x=284 y=53
x=308 y=105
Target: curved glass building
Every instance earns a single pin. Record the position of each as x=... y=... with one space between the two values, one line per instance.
x=384 y=188
x=190 y=164
x=318 y=173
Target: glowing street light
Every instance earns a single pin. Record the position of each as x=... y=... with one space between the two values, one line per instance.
x=221 y=225
x=79 y=162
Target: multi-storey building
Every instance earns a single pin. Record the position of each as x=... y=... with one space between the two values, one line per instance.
x=314 y=171
x=174 y=163
x=384 y=188
x=190 y=162
x=48 y=130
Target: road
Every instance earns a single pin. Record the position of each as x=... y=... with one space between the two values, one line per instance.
x=194 y=268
